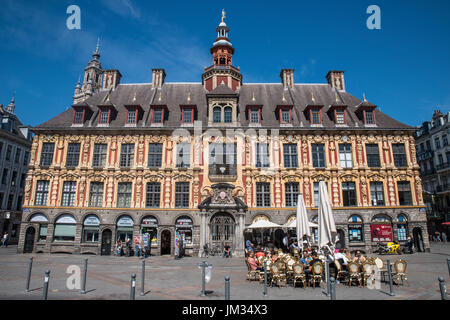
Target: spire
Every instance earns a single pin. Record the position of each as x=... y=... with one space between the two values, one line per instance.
x=96 y=54
x=12 y=104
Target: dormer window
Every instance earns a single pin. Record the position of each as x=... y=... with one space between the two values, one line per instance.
x=104 y=116
x=369 y=117
x=78 y=116
x=157 y=114
x=187 y=114
x=284 y=114
x=132 y=115
x=315 y=116
x=217 y=114
x=228 y=115
x=254 y=114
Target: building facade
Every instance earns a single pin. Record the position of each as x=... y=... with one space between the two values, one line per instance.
x=204 y=160
x=15 y=145
x=433 y=155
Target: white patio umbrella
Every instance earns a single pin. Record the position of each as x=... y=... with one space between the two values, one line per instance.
x=262 y=225
x=293 y=224
x=302 y=225
x=327 y=228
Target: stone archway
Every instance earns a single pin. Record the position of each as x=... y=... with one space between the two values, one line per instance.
x=222 y=230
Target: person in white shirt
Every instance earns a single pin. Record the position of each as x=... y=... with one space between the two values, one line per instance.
x=339 y=255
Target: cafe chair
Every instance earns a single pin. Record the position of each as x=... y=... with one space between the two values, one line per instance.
x=400 y=271
x=317 y=270
x=251 y=274
x=299 y=274
x=367 y=271
x=353 y=273
x=341 y=274
x=277 y=276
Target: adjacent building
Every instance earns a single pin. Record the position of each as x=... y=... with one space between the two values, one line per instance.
x=433 y=155
x=204 y=160
x=15 y=144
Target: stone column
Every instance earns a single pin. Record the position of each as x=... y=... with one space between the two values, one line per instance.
x=240 y=227
x=202 y=232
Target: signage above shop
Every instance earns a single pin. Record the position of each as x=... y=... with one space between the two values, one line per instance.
x=92 y=221
x=125 y=222
x=184 y=222
x=150 y=222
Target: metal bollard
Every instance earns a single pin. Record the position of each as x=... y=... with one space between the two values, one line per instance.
x=448 y=265
x=265 y=278
x=227 y=288
x=143 y=278
x=333 y=288
x=83 y=288
x=203 y=279
x=327 y=275
x=391 y=287
x=133 y=286
x=30 y=265
x=442 y=288
x=46 y=280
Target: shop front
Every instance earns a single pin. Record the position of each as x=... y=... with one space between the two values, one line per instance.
x=183 y=231
x=149 y=233
x=124 y=228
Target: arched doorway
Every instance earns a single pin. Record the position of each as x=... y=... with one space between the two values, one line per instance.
x=418 y=239
x=222 y=229
x=29 y=240
x=106 y=242
x=165 y=242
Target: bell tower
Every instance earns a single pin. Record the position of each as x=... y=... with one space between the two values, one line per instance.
x=222 y=69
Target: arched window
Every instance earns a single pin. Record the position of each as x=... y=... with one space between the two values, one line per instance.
x=43 y=225
x=184 y=226
x=381 y=218
x=402 y=227
x=381 y=228
x=217 y=114
x=315 y=239
x=91 y=227
x=65 y=228
x=149 y=230
x=355 y=229
x=228 y=115
x=125 y=228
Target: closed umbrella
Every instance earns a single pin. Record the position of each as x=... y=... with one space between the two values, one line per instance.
x=327 y=227
x=302 y=224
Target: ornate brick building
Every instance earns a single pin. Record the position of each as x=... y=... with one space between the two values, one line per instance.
x=206 y=159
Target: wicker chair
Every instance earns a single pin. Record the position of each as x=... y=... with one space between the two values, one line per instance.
x=299 y=274
x=277 y=276
x=341 y=274
x=353 y=273
x=317 y=270
x=368 y=269
x=400 y=271
x=251 y=274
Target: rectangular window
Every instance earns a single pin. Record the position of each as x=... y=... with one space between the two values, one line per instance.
x=153 y=195
x=17 y=157
x=263 y=194
x=19 y=203
x=22 y=180
x=1 y=149
x=26 y=158
x=377 y=193
x=254 y=115
x=96 y=195
x=47 y=154
x=291 y=194
x=404 y=193
x=188 y=115
x=8 y=152
x=13 y=178
x=315 y=116
x=345 y=155
x=99 y=157
x=41 y=193
x=437 y=143
x=182 y=194
x=373 y=155
x=262 y=155
x=131 y=116
x=355 y=233
x=340 y=118
x=399 y=155
x=155 y=155
x=78 y=118
x=369 y=117
x=290 y=155
x=5 y=176
x=445 y=140
x=73 y=155
x=228 y=115
x=124 y=195
x=285 y=116
x=64 y=232
x=157 y=115
x=183 y=155
x=127 y=155
x=104 y=116
x=10 y=202
x=68 y=194
x=348 y=194
x=222 y=153
x=42 y=232
x=318 y=155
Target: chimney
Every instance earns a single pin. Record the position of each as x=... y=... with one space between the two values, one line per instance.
x=287 y=78
x=336 y=80
x=111 y=78
x=158 y=78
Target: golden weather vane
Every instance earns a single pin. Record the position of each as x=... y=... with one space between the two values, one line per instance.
x=223 y=14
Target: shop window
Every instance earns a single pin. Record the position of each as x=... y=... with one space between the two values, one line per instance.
x=91 y=227
x=65 y=228
x=43 y=225
x=124 y=228
x=184 y=226
x=402 y=227
x=355 y=229
x=149 y=230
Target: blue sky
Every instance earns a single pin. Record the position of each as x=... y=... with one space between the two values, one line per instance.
x=404 y=68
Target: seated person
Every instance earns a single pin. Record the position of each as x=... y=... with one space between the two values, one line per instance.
x=359 y=258
x=252 y=262
x=274 y=256
x=226 y=250
x=341 y=257
x=308 y=268
x=294 y=245
x=306 y=258
x=259 y=253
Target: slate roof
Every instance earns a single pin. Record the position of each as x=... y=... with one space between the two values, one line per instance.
x=267 y=95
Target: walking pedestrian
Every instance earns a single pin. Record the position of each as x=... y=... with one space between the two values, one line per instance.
x=438 y=236
x=5 y=240
x=137 y=246
x=444 y=237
